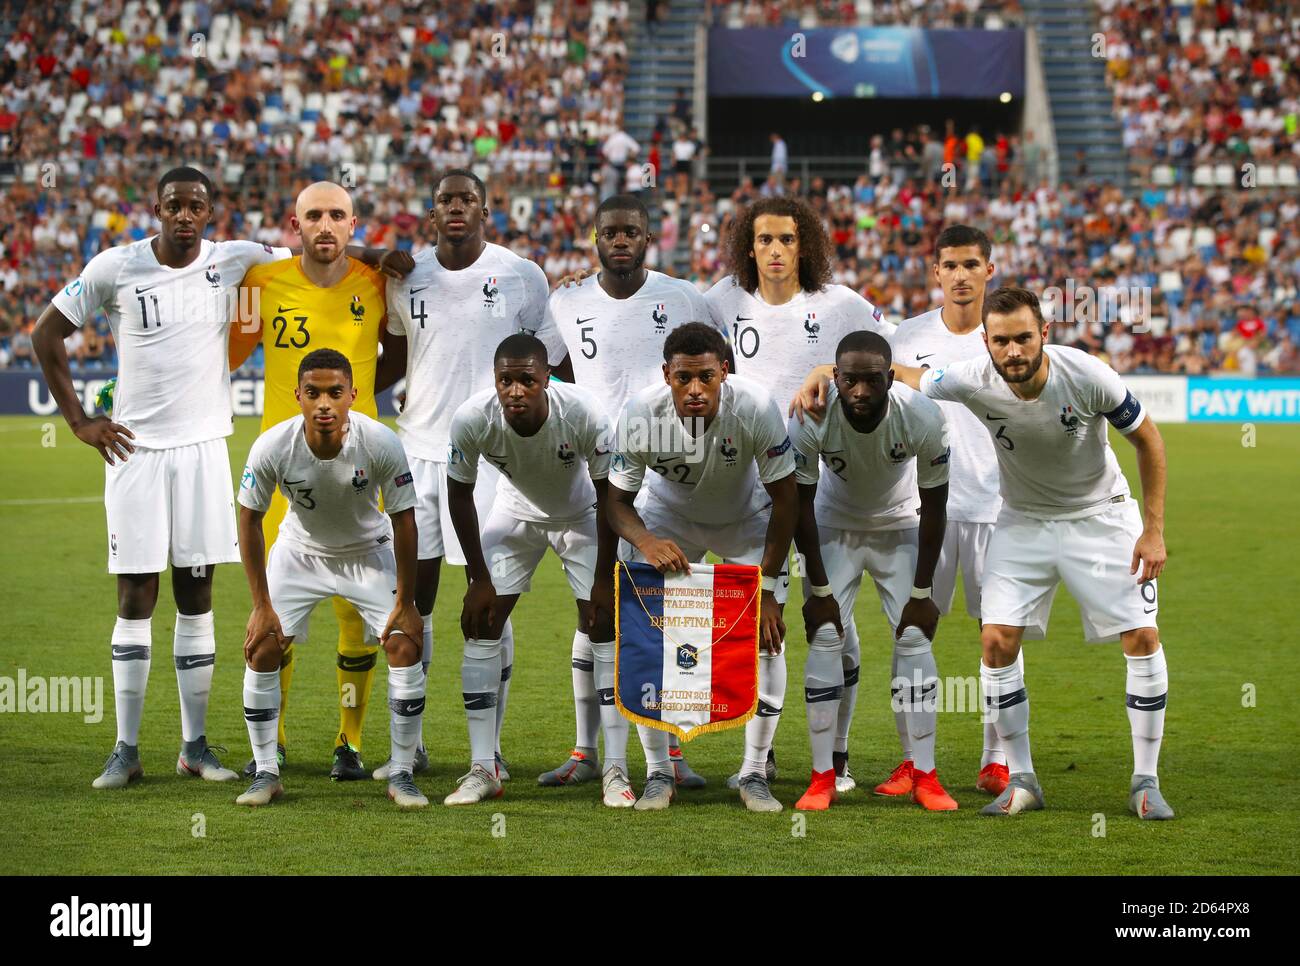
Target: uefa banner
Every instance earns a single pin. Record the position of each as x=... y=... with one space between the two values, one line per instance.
x=686 y=651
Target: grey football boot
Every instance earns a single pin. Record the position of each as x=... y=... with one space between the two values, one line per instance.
x=1022 y=794
x=122 y=768
x=1145 y=800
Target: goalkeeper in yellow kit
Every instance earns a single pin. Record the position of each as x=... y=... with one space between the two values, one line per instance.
x=323 y=299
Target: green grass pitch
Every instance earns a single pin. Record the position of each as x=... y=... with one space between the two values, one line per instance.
x=1228 y=768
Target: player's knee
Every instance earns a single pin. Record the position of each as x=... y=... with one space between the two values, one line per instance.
x=999 y=645
x=265 y=654
x=479 y=649
x=1141 y=641
x=401 y=650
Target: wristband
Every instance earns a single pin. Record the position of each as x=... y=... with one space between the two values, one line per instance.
x=920 y=593
x=823 y=591
x=769 y=584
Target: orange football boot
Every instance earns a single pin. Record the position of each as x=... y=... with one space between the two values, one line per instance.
x=993 y=779
x=820 y=793
x=929 y=794
x=898 y=783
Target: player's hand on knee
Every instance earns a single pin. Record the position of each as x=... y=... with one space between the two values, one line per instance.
x=405 y=620
x=921 y=613
x=479 y=614
x=110 y=438
x=600 y=615
x=771 y=625
x=664 y=555
x=1149 y=553
x=821 y=610
x=264 y=635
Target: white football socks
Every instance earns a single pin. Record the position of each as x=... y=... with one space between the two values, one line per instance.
x=1007 y=701
x=896 y=701
x=480 y=678
x=993 y=753
x=613 y=724
x=194 y=648
x=655 y=744
x=851 y=658
x=823 y=681
x=406 y=711
x=761 y=729
x=262 y=715
x=503 y=689
x=919 y=675
x=585 y=706
x=132 y=648
x=426 y=658
x=1147 y=691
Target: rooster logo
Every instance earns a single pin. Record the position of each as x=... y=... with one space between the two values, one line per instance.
x=728 y=451
x=490 y=291
x=660 y=317
x=898 y=453
x=213 y=276
x=1069 y=421
x=358 y=310
x=811 y=326
x=566 y=455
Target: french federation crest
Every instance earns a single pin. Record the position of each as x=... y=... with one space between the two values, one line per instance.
x=359 y=481
x=660 y=317
x=566 y=454
x=358 y=310
x=811 y=326
x=490 y=291
x=688 y=656
x=898 y=453
x=213 y=276
x=728 y=451
x=1069 y=421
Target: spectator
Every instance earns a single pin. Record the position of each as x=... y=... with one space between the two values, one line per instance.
x=780 y=159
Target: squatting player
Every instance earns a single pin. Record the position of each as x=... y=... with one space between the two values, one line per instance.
x=879 y=507
x=614 y=326
x=787 y=317
x=1068 y=516
x=711 y=441
x=323 y=299
x=461 y=299
x=167 y=493
x=550 y=442
x=333 y=466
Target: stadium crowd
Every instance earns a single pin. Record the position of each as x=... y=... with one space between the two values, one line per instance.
x=380 y=97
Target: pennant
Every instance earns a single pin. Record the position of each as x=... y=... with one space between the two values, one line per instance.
x=686 y=646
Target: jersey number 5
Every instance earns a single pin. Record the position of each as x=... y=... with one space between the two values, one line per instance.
x=281 y=326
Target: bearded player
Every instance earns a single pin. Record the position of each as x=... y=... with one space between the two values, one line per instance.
x=787 y=317
x=614 y=326
x=325 y=298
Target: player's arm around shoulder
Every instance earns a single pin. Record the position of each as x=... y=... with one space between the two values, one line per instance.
x=246 y=326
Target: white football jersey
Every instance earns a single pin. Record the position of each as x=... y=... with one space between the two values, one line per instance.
x=778 y=345
x=616 y=346
x=714 y=478
x=871 y=478
x=453 y=323
x=542 y=478
x=171 y=327
x=333 y=504
x=1053 y=453
x=973 y=475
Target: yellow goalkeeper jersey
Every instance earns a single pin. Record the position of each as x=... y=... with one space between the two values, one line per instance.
x=296 y=316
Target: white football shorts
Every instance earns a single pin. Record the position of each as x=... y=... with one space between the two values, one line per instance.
x=514 y=548
x=299 y=581
x=437 y=537
x=174 y=504
x=965 y=546
x=1028 y=559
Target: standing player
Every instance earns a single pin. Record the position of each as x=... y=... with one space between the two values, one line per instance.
x=880 y=442
x=711 y=441
x=461 y=299
x=540 y=435
x=322 y=299
x=167 y=492
x=1067 y=516
x=786 y=317
x=333 y=465
x=614 y=328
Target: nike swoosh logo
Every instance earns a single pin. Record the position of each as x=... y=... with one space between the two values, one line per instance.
x=585 y=321
x=141 y=291
x=994 y=419
x=926 y=356
x=819 y=695
x=417 y=291
x=282 y=309
x=1140 y=705
x=1149 y=610
x=665 y=459
x=741 y=318
x=293 y=482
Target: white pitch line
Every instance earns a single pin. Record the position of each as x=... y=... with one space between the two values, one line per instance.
x=56 y=499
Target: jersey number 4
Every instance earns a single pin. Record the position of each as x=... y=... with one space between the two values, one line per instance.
x=281 y=326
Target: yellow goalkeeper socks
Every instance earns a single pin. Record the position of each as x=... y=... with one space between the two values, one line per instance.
x=356 y=672
x=286 y=678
